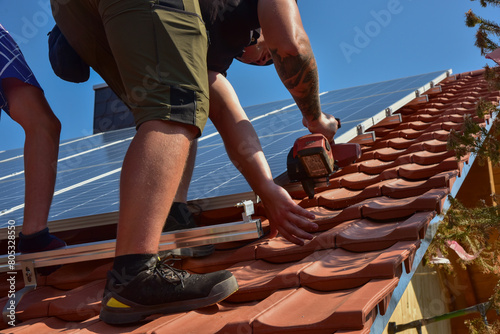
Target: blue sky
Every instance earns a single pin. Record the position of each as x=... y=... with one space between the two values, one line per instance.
x=355 y=42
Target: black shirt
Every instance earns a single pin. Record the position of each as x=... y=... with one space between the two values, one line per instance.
x=230 y=24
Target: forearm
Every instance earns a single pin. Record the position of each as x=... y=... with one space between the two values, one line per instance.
x=299 y=74
x=244 y=150
x=292 y=53
x=294 y=61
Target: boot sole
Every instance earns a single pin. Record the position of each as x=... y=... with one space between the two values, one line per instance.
x=137 y=312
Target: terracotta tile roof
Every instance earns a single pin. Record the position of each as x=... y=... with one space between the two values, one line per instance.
x=372 y=217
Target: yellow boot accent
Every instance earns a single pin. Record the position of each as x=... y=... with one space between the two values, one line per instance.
x=115 y=303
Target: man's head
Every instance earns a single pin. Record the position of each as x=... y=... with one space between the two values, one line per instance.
x=257 y=52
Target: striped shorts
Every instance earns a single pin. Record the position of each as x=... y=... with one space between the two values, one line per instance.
x=12 y=65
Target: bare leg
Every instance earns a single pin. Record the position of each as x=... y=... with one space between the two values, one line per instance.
x=151 y=174
x=28 y=107
x=182 y=192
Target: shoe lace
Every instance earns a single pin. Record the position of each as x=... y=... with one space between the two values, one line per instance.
x=164 y=268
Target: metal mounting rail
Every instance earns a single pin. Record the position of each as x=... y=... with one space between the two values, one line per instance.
x=243 y=230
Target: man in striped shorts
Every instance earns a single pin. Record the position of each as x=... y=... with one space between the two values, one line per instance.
x=22 y=98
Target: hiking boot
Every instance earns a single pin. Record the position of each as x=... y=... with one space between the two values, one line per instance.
x=181 y=218
x=160 y=288
x=40 y=241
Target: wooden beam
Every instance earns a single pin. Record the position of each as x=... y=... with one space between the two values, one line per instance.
x=491 y=177
x=477 y=186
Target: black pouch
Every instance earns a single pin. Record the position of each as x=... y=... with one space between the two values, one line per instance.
x=64 y=60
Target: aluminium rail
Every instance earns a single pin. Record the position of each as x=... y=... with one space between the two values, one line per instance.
x=243 y=230
x=106 y=249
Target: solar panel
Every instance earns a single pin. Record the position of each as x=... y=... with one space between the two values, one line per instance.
x=89 y=167
x=278 y=124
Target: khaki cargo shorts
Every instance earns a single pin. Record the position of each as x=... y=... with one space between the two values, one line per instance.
x=152 y=53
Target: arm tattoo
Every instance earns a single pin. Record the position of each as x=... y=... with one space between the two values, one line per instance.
x=299 y=74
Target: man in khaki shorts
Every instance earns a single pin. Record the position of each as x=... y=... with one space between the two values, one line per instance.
x=152 y=53
x=260 y=32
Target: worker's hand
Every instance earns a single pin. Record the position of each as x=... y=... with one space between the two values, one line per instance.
x=286 y=217
x=326 y=124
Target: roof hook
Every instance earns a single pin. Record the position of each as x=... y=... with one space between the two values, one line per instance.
x=248 y=210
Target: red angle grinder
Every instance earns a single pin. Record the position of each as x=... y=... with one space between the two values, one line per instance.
x=312 y=160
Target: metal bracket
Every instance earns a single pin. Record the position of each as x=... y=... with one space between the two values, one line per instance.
x=388 y=112
x=248 y=210
x=360 y=129
x=417 y=93
x=29 y=276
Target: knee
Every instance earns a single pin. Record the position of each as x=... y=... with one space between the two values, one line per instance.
x=41 y=121
x=30 y=109
x=53 y=125
x=49 y=123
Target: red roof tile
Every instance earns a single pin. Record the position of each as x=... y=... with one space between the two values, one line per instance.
x=342 y=197
x=367 y=235
x=386 y=208
x=401 y=188
x=36 y=303
x=279 y=250
x=371 y=218
x=345 y=309
x=338 y=269
x=79 y=304
x=259 y=279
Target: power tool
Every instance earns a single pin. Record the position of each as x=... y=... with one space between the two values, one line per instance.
x=312 y=160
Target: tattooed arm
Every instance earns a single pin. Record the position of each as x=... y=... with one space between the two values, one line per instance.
x=294 y=60
x=244 y=150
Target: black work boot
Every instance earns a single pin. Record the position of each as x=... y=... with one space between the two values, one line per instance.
x=153 y=287
x=181 y=218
